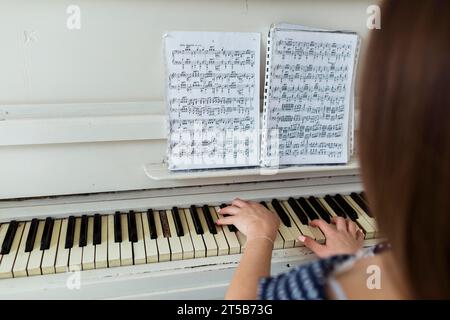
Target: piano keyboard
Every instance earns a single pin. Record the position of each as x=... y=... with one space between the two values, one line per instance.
x=55 y=245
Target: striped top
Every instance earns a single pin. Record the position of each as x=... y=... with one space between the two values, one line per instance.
x=308 y=281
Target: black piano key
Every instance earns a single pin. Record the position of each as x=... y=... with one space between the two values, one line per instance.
x=47 y=234
x=70 y=232
x=361 y=203
x=83 y=231
x=319 y=209
x=312 y=215
x=164 y=224
x=298 y=211
x=196 y=220
x=209 y=219
x=31 y=235
x=336 y=208
x=97 y=238
x=351 y=213
x=132 y=228
x=9 y=237
x=151 y=224
x=177 y=220
x=231 y=227
x=281 y=213
x=117 y=227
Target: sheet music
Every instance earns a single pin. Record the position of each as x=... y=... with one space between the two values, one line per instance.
x=310 y=97
x=212 y=99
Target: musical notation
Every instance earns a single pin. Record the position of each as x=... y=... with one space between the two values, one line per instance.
x=212 y=99
x=308 y=104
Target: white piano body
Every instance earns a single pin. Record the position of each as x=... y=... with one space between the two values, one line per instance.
x=70 y=146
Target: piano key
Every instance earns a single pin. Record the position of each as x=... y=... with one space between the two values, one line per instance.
x=231 y=227
x=361 y=203
x=289 y=239
x=293 y=229
x=197 y=240
x=31 y=235
x=76 y=252
x=176 y=250
x=101 y=249
x=363 y=220
x=281 y=213
x=310 y=213
x=242 y=240
x=219 y=236
x=319 y=209
x=139 y=244
x=132 y=226
x=349 y=211
x=164 y=224
x=98 y=229
x=47 y=235
x=151 y=224
x=70 y=232
x=162 y=242
x=88 y=261
x=83 y=231
x=279 y=240
x=49 y=258
x=303 y=228
x=9 y=237
x=151 y=249
x=209 y=220
x=208 y=237
x=8 y=259
x=117 y=227
x=334 y=206
x=186 y=241
x=126 y=248
x=177 y=220
x=301 y=215
x=230 y=235
x=113 y=246
x=20 y=264
x=34 y=262
x=196 y=220
x=3 y=231
x=62 y=254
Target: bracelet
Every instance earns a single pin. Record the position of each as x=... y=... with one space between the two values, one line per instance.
x=261 y=237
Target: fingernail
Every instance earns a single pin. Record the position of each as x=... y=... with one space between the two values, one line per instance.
x=301 y=238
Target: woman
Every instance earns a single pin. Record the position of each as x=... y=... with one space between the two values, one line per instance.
x=404 y=145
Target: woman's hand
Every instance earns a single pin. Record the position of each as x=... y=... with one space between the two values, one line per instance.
x=251 y=218
x=342 y=237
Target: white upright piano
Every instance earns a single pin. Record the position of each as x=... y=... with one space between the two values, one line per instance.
x=88 y=209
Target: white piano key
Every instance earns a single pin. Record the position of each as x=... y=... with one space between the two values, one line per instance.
x=62 y=255
x=101 y=250
x=7 y=261
x=367 y=223
x=88 y=261
x=176 y=250
x=113 y=247
x=76 y=252
x=294 y=230
x=289 y=239
x=197 y=240
x=233 y=242
x=139 y=246
x=242 y=240
x=186 y=241
x=126 y=248
x=208 y=237
x=151 y=247
x=305 y=230
x=49 y=258
x=162 y=242
x=35 y=260
x=222 y=244
x=20 y=264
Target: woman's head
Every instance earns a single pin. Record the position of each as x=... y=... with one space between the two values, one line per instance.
x=404 y=139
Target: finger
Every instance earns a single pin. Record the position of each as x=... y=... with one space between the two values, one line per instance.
x=352 y=227
x=315 y=247
x=239 y=203
x=323 y=226
x=232 y=210
x=340 y=223
x=226 y=220
x=360 y=235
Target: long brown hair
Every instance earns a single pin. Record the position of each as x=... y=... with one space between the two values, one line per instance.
x=404 y=139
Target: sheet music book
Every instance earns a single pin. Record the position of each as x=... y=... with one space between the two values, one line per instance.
x=308 y=96
x=212 y=98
